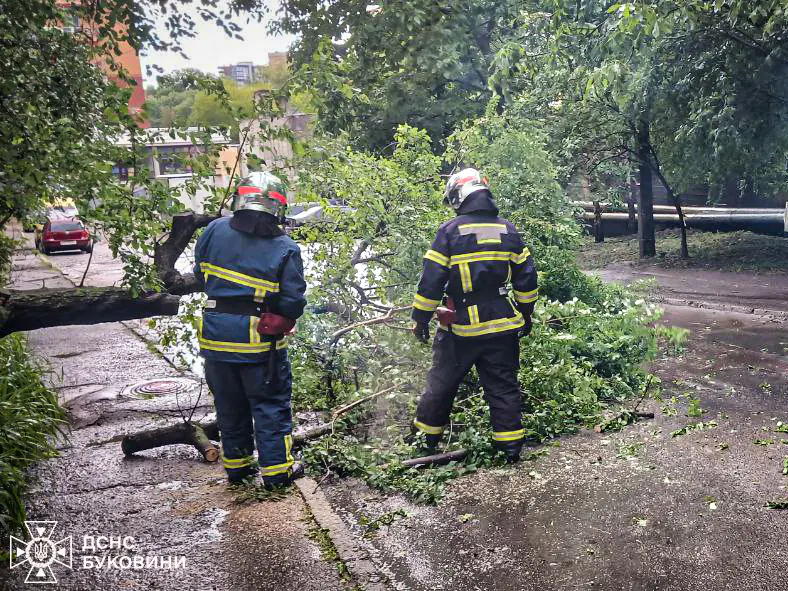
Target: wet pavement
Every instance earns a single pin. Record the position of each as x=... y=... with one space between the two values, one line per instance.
x=635 y=510
x=174 y=505
x=764 y=293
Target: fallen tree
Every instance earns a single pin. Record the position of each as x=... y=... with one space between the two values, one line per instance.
x=42 y=308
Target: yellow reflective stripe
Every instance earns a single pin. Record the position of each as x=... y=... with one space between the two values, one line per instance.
x=489 y=327
x=508 y=435
x=496 y=226
x=476 y=257
x=473 y=314
x=436 y=257
x=488 y=241
x=288 y=448
x=238 y=462
x=232 y=347
x=526 y=297
x=277 y=469
x=519 y=259
x=425 y=304
x=240 y=278
x=465 y=278
x=254 y=336
x=428 y=429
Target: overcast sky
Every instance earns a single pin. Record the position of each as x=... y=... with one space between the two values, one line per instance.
x=211 y=48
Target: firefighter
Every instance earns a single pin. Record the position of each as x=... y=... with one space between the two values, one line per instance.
x=468 y=268
x=254 y=278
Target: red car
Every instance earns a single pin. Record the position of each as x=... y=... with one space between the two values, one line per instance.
x=65 y=234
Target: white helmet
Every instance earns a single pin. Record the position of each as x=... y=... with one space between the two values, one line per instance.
x=463 y=184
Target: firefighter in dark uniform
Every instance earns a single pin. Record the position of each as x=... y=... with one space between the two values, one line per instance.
x=474 y=258
x=254 y=279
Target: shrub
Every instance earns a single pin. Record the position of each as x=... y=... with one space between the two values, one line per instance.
x=30 y=417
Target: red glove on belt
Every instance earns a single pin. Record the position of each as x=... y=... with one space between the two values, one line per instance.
x=273 y=324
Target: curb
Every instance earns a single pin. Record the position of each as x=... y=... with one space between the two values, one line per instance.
x=777 y=315
x=357 y=561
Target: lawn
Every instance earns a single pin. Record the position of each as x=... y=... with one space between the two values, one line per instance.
x=725 y=251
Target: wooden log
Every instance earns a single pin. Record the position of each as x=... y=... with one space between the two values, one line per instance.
x=184 y=433
x=437 y=459
x=200 y=436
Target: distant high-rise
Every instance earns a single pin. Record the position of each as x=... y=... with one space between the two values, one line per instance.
x=278 y=59
x=242 y=72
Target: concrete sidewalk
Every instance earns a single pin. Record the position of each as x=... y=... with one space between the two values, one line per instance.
x=171 y=502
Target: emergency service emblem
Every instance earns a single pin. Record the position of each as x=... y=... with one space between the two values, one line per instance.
x=40 y=552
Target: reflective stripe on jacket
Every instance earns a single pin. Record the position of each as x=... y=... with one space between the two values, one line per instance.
x=474 y=252
x=235 y=264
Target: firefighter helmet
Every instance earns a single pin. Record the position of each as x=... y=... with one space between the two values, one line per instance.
x=262 y=191
x=463 y=184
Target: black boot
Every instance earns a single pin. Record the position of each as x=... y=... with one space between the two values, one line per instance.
x=510 y=449
x=242 y=475
x=284 y=480
x=430 y=445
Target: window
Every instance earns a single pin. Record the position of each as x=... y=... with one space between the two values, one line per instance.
x=71 y=24
x=175 y=159
x=121 y=170
x=66 y=226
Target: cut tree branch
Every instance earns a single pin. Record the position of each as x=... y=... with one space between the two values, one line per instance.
x=42 y=308
x=377 y=320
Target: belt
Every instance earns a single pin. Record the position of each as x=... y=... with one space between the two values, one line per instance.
x=241 y=306
x=479 y=296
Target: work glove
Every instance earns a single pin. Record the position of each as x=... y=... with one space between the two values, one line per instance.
x=421 y=330
x=526 y=329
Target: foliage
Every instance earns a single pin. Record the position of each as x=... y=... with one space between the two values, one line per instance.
x=30 y=418
x=584 y=352
x=700 y=426
x=187 y=98
x=777 y=504
x=644 y=85
x=51 y=96
x=674 y=338
x=7 y=245
x=424 y=63
x=372 y=525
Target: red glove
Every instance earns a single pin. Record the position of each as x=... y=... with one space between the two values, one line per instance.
x=273 y=324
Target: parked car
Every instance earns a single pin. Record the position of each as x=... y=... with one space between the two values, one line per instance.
x=63 y=234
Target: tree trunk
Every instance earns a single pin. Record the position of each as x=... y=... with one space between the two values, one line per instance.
x=184 y=433
x=683 y=227
x=41 y=308
x=599 y=231
x=646 y=240
x=632 y=225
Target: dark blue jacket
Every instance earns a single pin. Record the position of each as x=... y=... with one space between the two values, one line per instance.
x=478 y=252
x=235 y=264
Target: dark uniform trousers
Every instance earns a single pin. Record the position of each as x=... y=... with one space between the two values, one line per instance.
x=245 y=404
x=497 y=360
